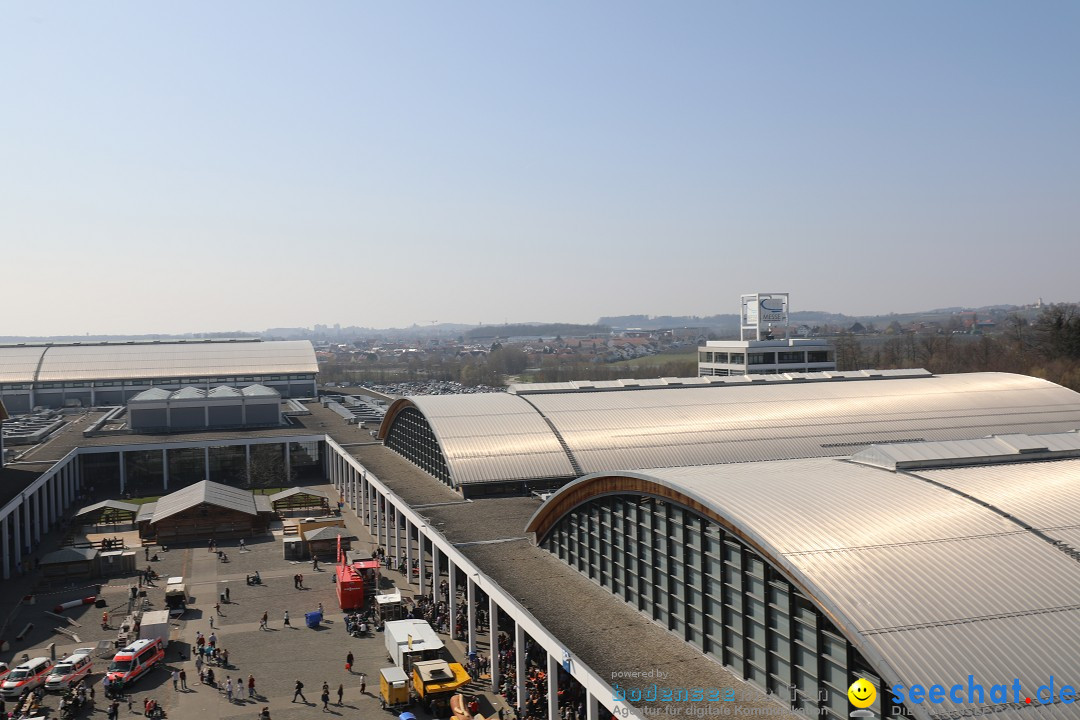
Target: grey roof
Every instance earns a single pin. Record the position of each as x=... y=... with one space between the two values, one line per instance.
x=69 y=555
x=494 y=437
x=980 y=593
x=112 y=504
x=151 y=395
x=978 y=451
x=223 y=391
x=188 y=393
x=260 y=391
x=107 y=361
x=146 y=512
x=328 y=533
x=297 y=491
x=205 y=491
x=653 y=383
x=262 y=504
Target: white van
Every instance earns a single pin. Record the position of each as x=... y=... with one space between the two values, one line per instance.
x=70 y=670
x=28 y=676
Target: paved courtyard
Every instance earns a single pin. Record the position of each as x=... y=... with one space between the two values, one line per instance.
x=276 y=657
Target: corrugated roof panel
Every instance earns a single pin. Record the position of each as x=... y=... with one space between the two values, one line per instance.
x=169 y=360
x=941 y=586
x=1041 y=494
x=624 y=429
x=19 y=364
x=493 y=436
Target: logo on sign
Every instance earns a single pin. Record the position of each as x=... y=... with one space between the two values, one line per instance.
x=773 y=309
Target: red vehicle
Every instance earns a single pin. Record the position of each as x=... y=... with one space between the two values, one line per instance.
x=357 y=580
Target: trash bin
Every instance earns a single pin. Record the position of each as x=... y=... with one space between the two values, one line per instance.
x=313 y=619
x=222 y=598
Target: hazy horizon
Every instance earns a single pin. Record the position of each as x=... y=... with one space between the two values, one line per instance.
x=205 y=167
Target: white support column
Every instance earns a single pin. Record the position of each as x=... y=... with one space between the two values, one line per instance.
x=420 y=561
x=553 y=686
x=493 y=641
x=396 y=522
x=519 y=664
x=288 y=465
x=206 y=462
x=5 y=547
x=28 y=520
x=451 y=571
x=39 y=514
x=123 y=473
x=408 y=553
x=65 y=486
x=165 y=469
x=365 y=502
x=247 y=462
x=17 y=534
x=592 y=707
x=436 y=572
x=470 y=599
x=376 y=499
x=388 y=514
x=355 y=476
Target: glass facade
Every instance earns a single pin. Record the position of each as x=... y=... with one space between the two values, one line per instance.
x=412 y=437
x=692 y=577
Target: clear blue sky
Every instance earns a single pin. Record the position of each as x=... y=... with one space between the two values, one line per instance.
x=178 y=167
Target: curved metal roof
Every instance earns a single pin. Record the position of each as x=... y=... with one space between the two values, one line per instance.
x=930 y=585
x=111 y=361
x=490 y=437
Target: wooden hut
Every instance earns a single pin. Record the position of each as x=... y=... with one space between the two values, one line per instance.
x=206 y=510
x=301 y=499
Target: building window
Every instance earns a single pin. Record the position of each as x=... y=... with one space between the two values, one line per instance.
x=791 y=358
x=737 y=358
x=818 y=356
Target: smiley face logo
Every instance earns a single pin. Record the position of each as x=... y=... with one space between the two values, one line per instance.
x=861 y=693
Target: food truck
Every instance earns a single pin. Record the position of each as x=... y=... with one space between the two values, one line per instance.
x=409 y=641
x=394 y=688
x=357 y=580
x=435 y=682
x=388 y=606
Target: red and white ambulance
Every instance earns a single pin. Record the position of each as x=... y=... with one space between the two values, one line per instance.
x=133 y=661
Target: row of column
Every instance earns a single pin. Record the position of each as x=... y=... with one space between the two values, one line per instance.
x=396 y=533
x=38 y=512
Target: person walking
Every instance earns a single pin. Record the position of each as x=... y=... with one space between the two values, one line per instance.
x=228 y=688
x=227 y=599
x=243 y=547
x=349 y=661
x=262 y=623
x=175 y=680
x=300 y=578
x=218 y=608
x=287 y=624
x=183 y=679
x=325 y=698
x=299 y=693
x=363 y=684
x=251 y=686
x=198 y=665
x=340 y=693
